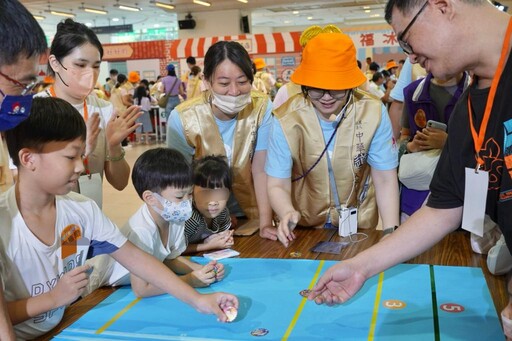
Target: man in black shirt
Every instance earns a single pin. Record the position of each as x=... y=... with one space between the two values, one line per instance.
x=444 y=37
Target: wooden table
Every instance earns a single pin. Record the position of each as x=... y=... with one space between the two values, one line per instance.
x=454 y=249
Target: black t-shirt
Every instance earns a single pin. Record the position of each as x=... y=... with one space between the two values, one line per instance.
x=447 y=186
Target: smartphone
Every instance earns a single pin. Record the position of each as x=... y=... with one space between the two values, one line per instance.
x=435 y=124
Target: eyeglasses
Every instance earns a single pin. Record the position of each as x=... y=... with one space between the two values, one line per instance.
x=315 y=93
x=403 y=44
x=27 y=88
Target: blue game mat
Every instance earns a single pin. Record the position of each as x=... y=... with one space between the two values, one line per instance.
x=407 y=302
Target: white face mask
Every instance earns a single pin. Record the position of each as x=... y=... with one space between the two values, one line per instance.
x=174 y=212
x=231 y=105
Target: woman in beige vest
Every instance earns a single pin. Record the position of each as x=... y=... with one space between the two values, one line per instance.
x=325 y=143
x=232 y=120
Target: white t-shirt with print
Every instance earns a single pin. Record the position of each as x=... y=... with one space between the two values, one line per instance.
x=33 y=268
x=142 y=231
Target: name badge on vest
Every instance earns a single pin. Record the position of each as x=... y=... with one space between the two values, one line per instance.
x=91 y=186
x=475 y=197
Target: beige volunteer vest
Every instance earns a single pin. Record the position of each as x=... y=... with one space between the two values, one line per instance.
x=311 y=195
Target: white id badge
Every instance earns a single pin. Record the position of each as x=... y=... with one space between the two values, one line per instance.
x=92 y=187
x=475 y=197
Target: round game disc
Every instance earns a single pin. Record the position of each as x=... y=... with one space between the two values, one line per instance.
x=259 y=332
x=295 y=254
x=231 y=313
x=305 y=292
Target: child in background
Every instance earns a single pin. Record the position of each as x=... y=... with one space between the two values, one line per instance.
x=47 y=231
x=163 y=179
x=142 y=98
x=208 y=228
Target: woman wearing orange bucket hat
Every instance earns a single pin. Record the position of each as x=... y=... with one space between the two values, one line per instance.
x=325 y=143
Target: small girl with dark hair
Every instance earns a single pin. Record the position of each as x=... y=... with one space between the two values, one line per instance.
x=142 y=98
x=208 y=228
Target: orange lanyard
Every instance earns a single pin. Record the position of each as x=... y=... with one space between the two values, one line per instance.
x=478 y=138
x=86 y=116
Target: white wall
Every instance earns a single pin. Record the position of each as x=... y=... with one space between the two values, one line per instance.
x=142 y=65
x=211 y=24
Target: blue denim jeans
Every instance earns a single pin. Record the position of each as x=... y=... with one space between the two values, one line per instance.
x=171 y=104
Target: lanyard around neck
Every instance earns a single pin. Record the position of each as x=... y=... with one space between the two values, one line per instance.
x=86 y=112
x=478 y=138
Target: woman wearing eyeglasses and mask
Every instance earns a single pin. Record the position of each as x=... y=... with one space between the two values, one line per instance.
x=326 y=142
x=74 y=63
x=229 y=119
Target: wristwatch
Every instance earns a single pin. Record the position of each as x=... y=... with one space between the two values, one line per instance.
x=389 y=230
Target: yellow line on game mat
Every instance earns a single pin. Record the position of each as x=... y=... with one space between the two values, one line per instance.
x=117 y=316
x=302 y=303
x=376 y=304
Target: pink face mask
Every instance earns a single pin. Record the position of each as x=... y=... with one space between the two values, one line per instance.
x=80 y=81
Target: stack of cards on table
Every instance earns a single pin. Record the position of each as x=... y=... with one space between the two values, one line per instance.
x=221 y=254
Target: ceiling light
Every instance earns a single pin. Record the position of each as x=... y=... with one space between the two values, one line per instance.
x=244 y=1
x=203 y=3
x=127 y=7
x=310 y=18
x=162 y=5
x=62 y=14
x=115 y=19
x=94 y=10
x=39 y=17
x=367 y=10
x=295 y=12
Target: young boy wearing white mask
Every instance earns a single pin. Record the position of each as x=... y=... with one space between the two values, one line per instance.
x=163 y=179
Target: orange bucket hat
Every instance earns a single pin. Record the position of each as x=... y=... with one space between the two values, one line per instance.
x=133 y=77
x=329 y=62
x=259 y=63
x=391 y=64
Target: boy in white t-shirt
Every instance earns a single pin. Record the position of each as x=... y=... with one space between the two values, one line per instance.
x=163 y=179
x=46 y=232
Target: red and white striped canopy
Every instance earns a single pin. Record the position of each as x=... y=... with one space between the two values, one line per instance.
x=254 y=43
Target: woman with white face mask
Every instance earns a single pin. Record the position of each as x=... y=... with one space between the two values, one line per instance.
x=229 y=119
x=74 y=63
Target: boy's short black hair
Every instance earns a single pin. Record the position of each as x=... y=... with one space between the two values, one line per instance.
x=213 y=172
x=158 y=168
x=51 y=119
x=376 y=76
x=374 y=66
x=191 y=60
